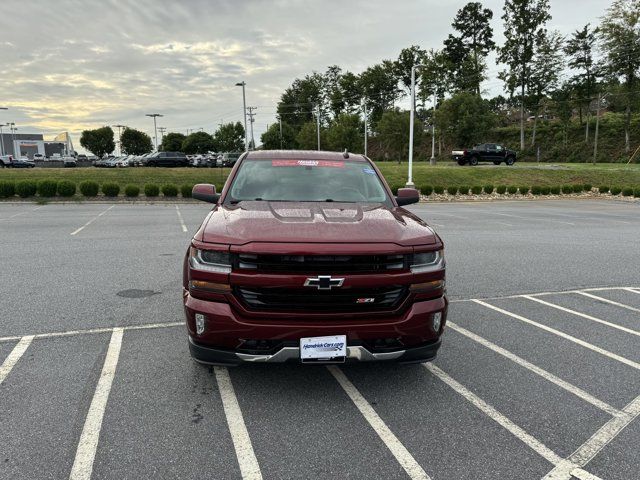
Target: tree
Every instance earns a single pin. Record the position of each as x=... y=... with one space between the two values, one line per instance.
x=198 y=142
x=307 y=137
x=620 y=43
x=579 y=49
x=524 y=22
x=408 y=58
x=172 y=142
x=546 y=67
x=562 y=109
x=465 y=119
x=346 y=131
x=393 y=133
x=135 y=142
x=299 y=100
x=379 y=87
x=473 y=44
x=98 y=141
x=229 y=138
x=271 y=139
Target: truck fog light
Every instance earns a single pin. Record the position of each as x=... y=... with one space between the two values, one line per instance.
x=437 y=321
x=200 y=319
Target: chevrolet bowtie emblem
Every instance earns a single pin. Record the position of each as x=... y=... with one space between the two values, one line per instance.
x=324 y=282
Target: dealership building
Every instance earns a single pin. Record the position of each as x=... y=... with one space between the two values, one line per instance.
x=28 y=144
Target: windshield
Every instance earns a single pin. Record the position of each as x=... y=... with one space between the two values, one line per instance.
x=307 y=181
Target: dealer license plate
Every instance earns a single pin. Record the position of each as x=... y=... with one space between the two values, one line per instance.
x=323 y=349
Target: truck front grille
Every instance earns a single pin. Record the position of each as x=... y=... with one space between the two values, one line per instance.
x=312 y=300
x=312 y=264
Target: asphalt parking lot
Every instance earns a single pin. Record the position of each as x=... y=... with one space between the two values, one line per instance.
x=538 y=375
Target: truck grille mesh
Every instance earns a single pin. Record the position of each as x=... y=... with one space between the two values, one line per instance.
x=313 y=264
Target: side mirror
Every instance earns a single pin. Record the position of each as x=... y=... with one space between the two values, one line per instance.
x=205 y=192
x=407 y=196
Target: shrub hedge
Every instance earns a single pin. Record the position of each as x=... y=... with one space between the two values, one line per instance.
x=512 y=189
x=578 y=188
x=185 y=190
x=636 y=192
x=555 y=190
x=603 y=189
x=476 y=189
x=545 y=190
x=438 y=189
x=627 y=191
x=131 y=190
x=501 y=189
x=615 y=190
x=66 y=188
x=536 y=190
x=47 y=188
x=26 y=188
x=463 y=190
x=110 y=189
x=7 y=189
x=523 y=190
x=587 y=187
x=151 y=190
x=488 y=189
x=453 y=190
x=89 y=188
x=169 y=190
x=567 y=189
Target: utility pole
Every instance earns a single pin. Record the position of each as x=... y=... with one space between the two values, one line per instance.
x=318 y=123
x=119 y=137
x=162 y=130
x=595 y=137
x=251 y=115
x=281 y=140
x=410 y=183
x=13 y=128
x=155 y=127
x=244 y=110
x=432 y=160
x=366 y=126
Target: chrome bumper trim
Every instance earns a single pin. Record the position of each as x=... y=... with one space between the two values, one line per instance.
x=289 y=353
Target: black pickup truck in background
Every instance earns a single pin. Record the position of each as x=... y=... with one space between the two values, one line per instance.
x=485 y=152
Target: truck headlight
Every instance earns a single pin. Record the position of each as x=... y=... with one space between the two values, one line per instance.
x=215 y=261
x=427 y=261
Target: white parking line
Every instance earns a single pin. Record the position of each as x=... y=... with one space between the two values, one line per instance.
x=14 y=356
x=75 y=232
x=529 y=218
x=532 y=442
x=21 y=213
x=606 y=300
x=86 y=452
x=582 y=343
x=583 y=315
x=632 y=290
x=71 y=333
x=249 y=467
x=589 y=449
x=578 y=392
x=399 y=451
x=184 y=227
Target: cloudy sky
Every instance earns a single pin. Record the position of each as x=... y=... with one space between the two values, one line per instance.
x=68 y=65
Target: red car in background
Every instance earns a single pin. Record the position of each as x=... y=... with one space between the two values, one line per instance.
x=308 y=257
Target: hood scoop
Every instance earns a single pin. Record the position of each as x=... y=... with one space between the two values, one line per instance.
x=308 y=212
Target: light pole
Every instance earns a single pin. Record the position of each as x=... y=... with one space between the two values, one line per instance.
x=318 y=123
x=244 y=111
x=13 y=128
x=281 y=140
x=432 y=160
x=155 y=128
x=410 y=183
x=162 y=130
x=366 y=127
x=251 y=115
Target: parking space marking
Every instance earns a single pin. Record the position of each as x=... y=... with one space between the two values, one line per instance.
x=75 y=232
x=583 y=315
x=21 y=213
x=529 y=218
x=578 y=392
x=184 y=227
x=566 y=336
x=89 y=331
x=88 y=444
x=398 y=450
x=589 y=449
x=249 y=467
x=529 y=440
x=632 y=290
x=14 y=356
x=606 y=300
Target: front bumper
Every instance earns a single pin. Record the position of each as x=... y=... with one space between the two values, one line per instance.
x=213 y=356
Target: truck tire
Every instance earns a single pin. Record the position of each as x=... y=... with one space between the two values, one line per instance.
x=510 y=161
x=1 y=164
x=473 y=161
x=462 y=163
x=496 y=162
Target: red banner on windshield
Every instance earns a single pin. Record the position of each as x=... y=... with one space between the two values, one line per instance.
x=307 y=163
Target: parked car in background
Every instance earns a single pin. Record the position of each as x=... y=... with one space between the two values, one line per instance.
x=22 y=162
x=82 y=158
x=6 y=160
x=485 y=152
x=38 y=157
x=228 y=159
x=69 y=162
x=123 y=161
x=167 y=159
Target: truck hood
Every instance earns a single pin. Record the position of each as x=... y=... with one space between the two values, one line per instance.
x=312 y=222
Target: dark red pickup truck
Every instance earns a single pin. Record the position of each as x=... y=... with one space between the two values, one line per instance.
x=308 y=257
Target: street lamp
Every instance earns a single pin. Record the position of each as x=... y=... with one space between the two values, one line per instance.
x=410 y=183
x=155 y=127
x=13 y=128
x=244 y=111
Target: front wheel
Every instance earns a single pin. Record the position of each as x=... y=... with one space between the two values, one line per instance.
x=510 y=161
x=496 y=163
x=461 y=163
x=473 y=161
